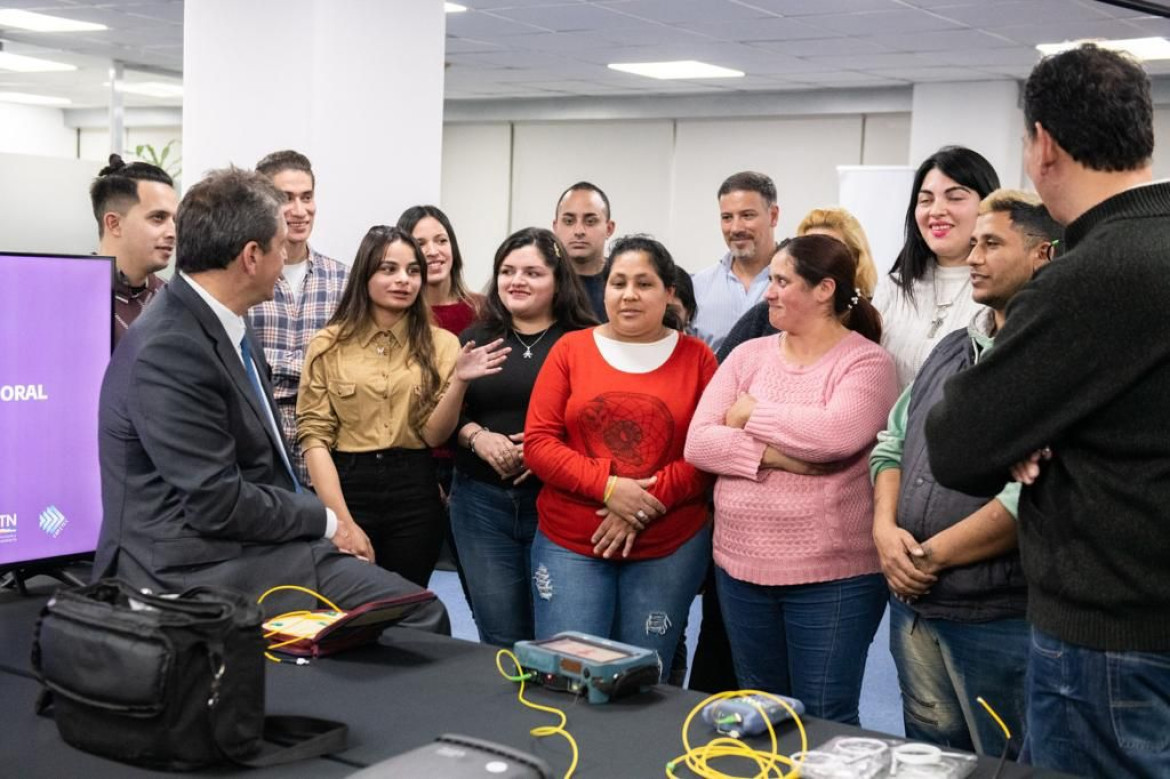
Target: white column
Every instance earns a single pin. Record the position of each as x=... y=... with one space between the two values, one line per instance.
x=356 y=86
x=982 y=115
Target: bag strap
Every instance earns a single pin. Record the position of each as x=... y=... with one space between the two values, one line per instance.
x=290 y=738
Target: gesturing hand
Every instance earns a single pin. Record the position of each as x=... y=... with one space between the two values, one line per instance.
x=740 y=411
x=477 y=361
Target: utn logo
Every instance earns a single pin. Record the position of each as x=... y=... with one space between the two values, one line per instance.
x=53 y=521
x=7 y=528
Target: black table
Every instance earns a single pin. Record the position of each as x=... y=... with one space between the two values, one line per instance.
x=400 y=694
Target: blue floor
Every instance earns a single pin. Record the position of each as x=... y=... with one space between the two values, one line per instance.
x=881 y=707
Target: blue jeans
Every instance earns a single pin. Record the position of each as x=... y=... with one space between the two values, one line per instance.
x=1096 y=713
x=944 y=664
x=494 y=527
x=808 y=641
x=641 y=602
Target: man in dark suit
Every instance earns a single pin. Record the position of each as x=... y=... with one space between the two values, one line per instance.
x=197 y=486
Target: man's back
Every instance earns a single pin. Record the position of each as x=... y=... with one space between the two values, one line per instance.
x=1083 y=367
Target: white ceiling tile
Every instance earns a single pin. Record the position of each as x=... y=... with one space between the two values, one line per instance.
x=846 y=78
x=906 y=20
x=765 y=29
x=1016 y=56
x=1057 y=30
x=869 y=61
x=1022 y=12
x=821 y=7
x=562 y=42
x=487 y=25
x=946 y=40
x=463 y=45
x=569 y=18
x=686 y=11
x=487 y=5
x=814 y=46
x=935 y=74
x=559 y=47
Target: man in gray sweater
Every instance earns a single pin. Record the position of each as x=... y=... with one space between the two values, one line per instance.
x=1074 y=401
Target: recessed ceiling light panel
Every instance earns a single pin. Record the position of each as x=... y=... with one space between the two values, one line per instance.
x=680 y=69
x=23 y=64
x=149 y=88
x=27 y=99
x=12 y=18
x=1144 y=49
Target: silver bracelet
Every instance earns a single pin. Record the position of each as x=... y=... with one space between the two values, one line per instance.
x=471 y=440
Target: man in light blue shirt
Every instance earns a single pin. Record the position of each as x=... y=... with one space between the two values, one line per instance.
x=723 y=292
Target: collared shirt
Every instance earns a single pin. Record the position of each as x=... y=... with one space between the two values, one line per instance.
x=285 y=325
x=235 y=327
x=131 y=301
x=356 y=394
x=722 y=299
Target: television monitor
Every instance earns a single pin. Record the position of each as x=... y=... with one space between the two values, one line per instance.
x=56 y=330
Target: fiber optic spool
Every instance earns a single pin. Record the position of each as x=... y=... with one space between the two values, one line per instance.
x=744 y=715
x=588 y=665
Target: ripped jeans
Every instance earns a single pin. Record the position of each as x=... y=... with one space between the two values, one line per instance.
x=641 y=602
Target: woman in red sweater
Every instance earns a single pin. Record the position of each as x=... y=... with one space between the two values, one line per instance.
x=624 y=537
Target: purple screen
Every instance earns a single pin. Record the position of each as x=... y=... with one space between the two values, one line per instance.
x=55 y=321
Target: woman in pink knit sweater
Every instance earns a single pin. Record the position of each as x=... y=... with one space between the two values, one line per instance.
x=787 y=424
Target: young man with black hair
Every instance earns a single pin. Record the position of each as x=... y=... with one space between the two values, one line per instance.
x=583 y=224
x=305 y=296
x=1072 y=401
x=134 y=205
x=957 y=626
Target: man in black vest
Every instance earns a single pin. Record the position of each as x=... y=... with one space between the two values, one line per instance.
x=957 y=627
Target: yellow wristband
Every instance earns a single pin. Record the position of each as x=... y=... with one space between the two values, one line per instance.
x=609 y=488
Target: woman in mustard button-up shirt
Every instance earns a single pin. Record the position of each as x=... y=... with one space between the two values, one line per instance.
x=380 y=387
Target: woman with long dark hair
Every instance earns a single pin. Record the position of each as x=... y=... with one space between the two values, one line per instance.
x=534 y=300
x=787 y=424
x=452 y=304
x=928 y=292
x=381 y=385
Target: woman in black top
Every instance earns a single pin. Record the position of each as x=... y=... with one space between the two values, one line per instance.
x=536 y=298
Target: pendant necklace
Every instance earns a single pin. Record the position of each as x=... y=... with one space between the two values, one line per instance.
x=527 y=346
x=942 y=309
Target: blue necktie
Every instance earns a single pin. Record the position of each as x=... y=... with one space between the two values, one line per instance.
x=262 y=396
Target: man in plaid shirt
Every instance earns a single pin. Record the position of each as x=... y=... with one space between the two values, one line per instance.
x=306 y=294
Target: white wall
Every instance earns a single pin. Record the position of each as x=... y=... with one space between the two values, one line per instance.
x=359 y=92
x=36 y=130
x=476 y=187
x=982 y=115
x=94 y=142
x=661 y=175
x=48 y=209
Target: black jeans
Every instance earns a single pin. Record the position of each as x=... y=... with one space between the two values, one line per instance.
x=393 y=495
